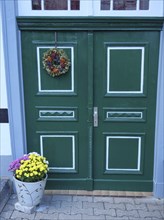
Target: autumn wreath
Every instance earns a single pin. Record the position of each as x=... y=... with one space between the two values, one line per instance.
x=56 y=62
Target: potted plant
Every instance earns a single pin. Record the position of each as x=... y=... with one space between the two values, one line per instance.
x=30 y=176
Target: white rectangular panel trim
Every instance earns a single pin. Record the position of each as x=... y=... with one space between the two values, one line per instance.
x=138 y=156
x=58 y=114
x=73 y=150
x=109 y=91
x=124 y=114
x=39 y=72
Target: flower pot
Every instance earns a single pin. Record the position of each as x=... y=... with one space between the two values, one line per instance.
x=30 y=193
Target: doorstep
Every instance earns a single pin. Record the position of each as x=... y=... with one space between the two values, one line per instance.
x=100 y=193
x=5 y=191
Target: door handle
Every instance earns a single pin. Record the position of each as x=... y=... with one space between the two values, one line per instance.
x=95 y=116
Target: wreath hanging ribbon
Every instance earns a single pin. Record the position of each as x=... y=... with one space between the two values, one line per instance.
x=56 y=62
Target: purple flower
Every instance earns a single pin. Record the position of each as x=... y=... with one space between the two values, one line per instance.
x=16 y=163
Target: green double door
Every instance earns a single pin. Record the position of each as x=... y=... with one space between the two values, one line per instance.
x=95 y=124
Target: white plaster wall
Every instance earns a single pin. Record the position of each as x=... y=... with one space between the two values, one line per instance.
x=5 y=143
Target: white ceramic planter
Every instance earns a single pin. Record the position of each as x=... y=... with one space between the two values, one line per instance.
x=30 y=193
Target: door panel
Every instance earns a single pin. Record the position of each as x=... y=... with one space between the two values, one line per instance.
x=111 y=70
x=56 y=108
x=123 y=82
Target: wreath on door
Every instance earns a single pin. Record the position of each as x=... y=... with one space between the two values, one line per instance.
x=56 y=62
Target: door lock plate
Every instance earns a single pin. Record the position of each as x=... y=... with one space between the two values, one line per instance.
x=95 y=116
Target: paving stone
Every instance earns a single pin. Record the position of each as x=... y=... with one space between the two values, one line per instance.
x=147 y=200
x=123 y=200
x=46 y=216
x=162 y=213
x=6 y=214
x=42 y=208
x=65 y=210
x=114 y=206
x=20 y=219
x=136 y=207
x=98 y=205
x=86 y=211
x=71 y=217
x=55 y=204
x=116 y=218
x=150 y=214
x=62 y=198
x=13 y=196
x=103 y=199
x=110 y=212
x=125 y=213
x=47 y=198
x=8 y=207
x=159 y=201
x=82 y=198
x=154 y=207
x=12 y=201
x=71 y=204
x=47 y=219
x=5 y=191
x=94 y=217
x=131 y=218
x=17 y=214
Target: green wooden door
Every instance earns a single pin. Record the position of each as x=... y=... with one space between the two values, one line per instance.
x=125 y=93
x=56 y=108
x=107 y=147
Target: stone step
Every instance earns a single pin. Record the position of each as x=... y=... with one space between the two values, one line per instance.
x=5 y=191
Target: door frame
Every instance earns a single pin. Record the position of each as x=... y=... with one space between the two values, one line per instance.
x=15 y=85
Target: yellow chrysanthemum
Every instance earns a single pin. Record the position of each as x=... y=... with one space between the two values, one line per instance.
x=41 y=168
x=18 y=176
x=35 y=172
x=17 y=171
x=20 y=172
x=26 y=174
